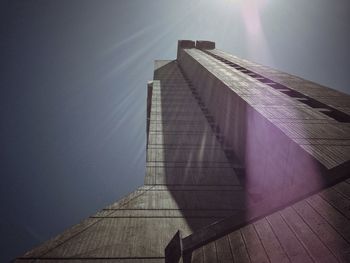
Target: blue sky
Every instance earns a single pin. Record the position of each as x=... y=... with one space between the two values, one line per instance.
x=73 y=90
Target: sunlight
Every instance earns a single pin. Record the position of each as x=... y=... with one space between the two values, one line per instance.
x=250 y=13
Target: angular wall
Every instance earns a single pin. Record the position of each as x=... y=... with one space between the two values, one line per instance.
x=277 y=137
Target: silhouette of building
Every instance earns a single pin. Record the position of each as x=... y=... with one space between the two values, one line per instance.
x=244 y=163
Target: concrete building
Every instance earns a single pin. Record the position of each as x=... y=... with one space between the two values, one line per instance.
x=244 y=164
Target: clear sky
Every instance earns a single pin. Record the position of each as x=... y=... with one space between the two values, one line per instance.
x=73 y=90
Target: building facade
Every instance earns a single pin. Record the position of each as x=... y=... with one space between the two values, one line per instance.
x=244 y=164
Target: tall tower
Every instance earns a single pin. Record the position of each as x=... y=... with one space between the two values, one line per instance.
x=244 y=164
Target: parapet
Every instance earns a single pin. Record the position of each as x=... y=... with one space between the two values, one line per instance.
x=204 y=44
x=184 y=44
x=200 y=44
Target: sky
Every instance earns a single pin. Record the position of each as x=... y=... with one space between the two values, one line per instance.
x=73 y=90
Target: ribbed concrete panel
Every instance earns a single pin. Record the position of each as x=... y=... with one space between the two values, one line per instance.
x=316 y=229
x=264 y=125
x=324 y=94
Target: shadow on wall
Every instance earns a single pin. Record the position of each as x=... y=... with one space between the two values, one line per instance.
x=194 y=166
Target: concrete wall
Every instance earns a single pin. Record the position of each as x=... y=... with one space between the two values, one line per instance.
x=276 y=167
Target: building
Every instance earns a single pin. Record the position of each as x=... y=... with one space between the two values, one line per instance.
x=244 y=163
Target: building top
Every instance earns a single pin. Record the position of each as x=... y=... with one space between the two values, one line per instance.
x=200 y=44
